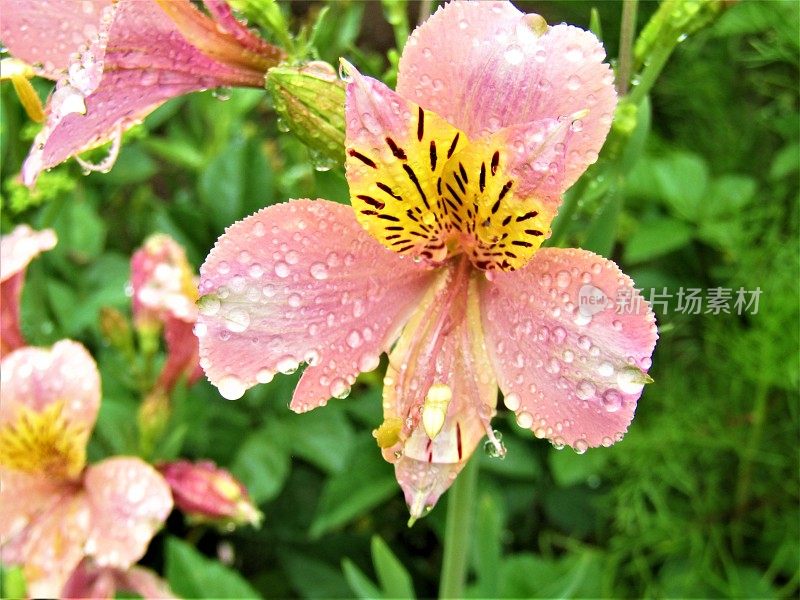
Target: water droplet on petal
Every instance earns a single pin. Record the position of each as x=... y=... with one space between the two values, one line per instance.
x=580 y=446
x=237 y=320
x=339 y=388
x=281 y=269
x=264 y=376
x=514 y=55
x=319 y=271
x=585 y=389
x=231 y=387
x=208 y=305
x=563 y=279
x=612 y=400
x=512 y=402
x=525 y=419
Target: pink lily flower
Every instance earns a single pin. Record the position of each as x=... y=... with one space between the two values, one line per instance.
x=92 y=581
x=17 y=249
x=55 y=510
x=454 y=181
x=115 y=62
x=164 y=294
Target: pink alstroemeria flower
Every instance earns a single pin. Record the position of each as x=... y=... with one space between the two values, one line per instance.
x=17 y=249
x=164 y=294
x=454 y=181
x=115 y=62
x=55 y=510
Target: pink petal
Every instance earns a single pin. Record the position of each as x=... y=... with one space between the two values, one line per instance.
x=221 y=11
x=144 y=62
x=145 y=583
x=301 y=282
x=46 y=32
x=90 y=581
x=129 y=502
x=51 y=547
x=441 y=353
x=17 y=249
x=570 y=366
x=37 y=377
x=482 y=66
x=183 y=354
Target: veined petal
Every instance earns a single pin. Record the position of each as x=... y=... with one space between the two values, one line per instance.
x=51 y=546
x=395 y=156
x=439 y=392
x=275 y=295
x=570 y=340
x=221 y=11
x=46 y=32
x=139 y=60
x=129 y=502
x=485 y=65
x=49 y=400
x=17 y=249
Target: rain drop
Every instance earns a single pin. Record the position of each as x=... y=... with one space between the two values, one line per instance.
x=319 y=271
x=231 y=387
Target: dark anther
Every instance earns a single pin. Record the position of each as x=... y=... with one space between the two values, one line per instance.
x=495 y=161
x=527 y=216
x=482 y=179
x=533 y=232
x=396 y=150
x=433 y=155
x=453 y=146
x=505 y=189
x=362 y=158
x=371 y=201
x=420 y=124
x=388 y=190
x=413 y=177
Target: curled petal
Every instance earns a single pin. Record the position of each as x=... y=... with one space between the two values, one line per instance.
x=46 y=32
x=129 y=502
x=262 y=52
x=36 y=378
x=439 y=390
x=183 y=354
x=139 y=60
x=17 y=249
x=301 y=282
x=485 y=65
x=570 y=340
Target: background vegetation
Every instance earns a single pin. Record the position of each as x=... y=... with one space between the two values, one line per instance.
x=701 y=497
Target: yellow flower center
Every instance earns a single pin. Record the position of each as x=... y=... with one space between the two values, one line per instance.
x=43 y=443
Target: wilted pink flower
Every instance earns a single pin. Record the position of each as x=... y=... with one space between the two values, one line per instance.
x=460 y=173
x=115 y=62
x=164 y=293
x=92 y=581
x=55 y=510
x=17 y=249
x=207 y=493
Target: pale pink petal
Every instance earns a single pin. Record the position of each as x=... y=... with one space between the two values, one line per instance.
x=37 y=377
x=17 y=249
x=140 y=60
x=162 y=282
x=145 y=583
x=23 y=498
x=46 y=32
x=570 y=340
x=438 y=389
x=485 y=65
x=301 y=282
x=183 y=354
x=129 y=502
x=51 y=547
x=90 y=581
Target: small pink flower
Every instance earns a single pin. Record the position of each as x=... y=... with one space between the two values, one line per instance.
x=55 y=510
x=457 y=175
x=207 y=493
x=92 y=581
x=115 y=62
x=164 y=293
x=17 y=249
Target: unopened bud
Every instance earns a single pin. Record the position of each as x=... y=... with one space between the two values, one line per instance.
x=309 y=101
x=206 y=493
x=116 y=329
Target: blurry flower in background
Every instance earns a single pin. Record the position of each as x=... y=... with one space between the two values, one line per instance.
x=92 y=581
x=117 y=62
x=208 y=494
x=17 y=249
x=55 y=510
x=460 y=173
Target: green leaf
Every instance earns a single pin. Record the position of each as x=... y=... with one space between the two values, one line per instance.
x=488 y=544
x=656 y=237
x=520 y=461
x=569 y=468
x=193 y=575
x=682 y=179
x=366 y=482
x=361 y=585
x=392 y=575
x=221 y=187
x=314 y=578
x=262 y=463
x=323 y=438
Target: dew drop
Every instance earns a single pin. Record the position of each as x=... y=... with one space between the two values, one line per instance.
x=319 y=271
x=339 y=388
x=264 y=376
x=563 y=279
x=580 y=446
x=231 y=387
x=612 y=400
x=281 y=269
x=585 y=389
x=354 y=339
x=237 y=320
x=525 y=419
x=514 y=55
x=208 y=305
x=512 y=402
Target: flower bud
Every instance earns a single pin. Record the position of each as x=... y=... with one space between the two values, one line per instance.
x=116 y=329
x=206 y=493
x=309 y=101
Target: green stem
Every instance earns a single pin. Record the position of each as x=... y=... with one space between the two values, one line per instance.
x=567 y=212
x=626 y=32
x=460 y=514
x=652 y=70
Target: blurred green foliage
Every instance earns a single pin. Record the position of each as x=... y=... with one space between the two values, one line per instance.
x=701 y=497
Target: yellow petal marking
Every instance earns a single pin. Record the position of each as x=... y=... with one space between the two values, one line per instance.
x=20 y=73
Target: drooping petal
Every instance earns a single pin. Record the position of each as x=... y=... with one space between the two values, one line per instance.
x=231 y=26
x=183 y=354
x=49 y=400
x=51 y=546
x=439 y=393
x=17 y=249
x=301 y=281
x=485 y=65
x=46 y=32
x=140 y=60
x=92 y=581
x=570 y=340
x=395 y=157
x=129 y=502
